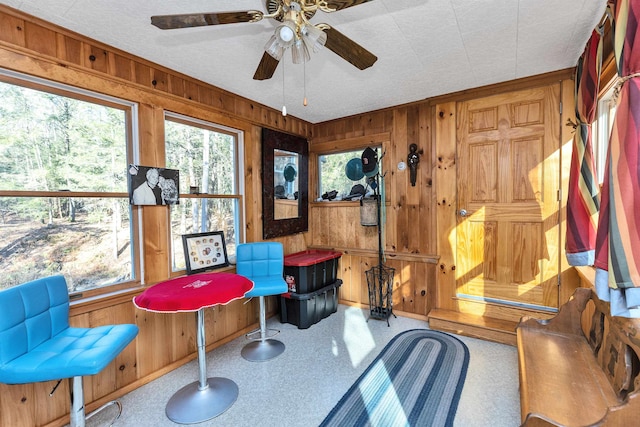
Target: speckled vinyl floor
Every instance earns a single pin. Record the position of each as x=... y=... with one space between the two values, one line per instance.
x=301 y=386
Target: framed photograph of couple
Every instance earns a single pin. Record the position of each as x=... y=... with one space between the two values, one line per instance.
x=204 y=251
x=153 y=186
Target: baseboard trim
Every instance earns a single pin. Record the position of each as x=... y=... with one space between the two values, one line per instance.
x=496 y=330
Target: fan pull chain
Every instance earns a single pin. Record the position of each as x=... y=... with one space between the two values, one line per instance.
x=284 y=105
x=304 y=83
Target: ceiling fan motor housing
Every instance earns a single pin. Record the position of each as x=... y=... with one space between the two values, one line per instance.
x=286 y=6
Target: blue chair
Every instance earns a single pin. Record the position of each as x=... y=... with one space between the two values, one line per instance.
x=37 y=344
x=263 y=264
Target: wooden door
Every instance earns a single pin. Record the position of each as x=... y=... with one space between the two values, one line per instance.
x=508 y=149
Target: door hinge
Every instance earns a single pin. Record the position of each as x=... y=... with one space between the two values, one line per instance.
x=560 y=107
x=560 y=195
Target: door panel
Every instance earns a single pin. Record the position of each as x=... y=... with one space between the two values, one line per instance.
x=508 y=180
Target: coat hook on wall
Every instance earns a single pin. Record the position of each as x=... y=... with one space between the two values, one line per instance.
x=413 y=159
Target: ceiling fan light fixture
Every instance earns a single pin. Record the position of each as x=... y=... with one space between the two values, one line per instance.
x=274 y=48
x=300 y=52
x=286 y=33
x=314 y=37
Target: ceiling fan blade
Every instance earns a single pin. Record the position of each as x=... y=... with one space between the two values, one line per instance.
x=266 y=67
x=333 y=5
x=169 y=22
x=346 y=48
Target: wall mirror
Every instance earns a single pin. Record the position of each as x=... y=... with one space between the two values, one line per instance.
x=285 y=200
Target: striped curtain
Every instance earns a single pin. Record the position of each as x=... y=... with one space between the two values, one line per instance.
x=617 y=256
x=583 y=200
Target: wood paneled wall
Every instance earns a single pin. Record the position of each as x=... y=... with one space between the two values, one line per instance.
x=409 y=238
x=165 y=341
x=418 y=233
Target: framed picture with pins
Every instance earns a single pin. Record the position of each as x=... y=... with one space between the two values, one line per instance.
x=204 y=251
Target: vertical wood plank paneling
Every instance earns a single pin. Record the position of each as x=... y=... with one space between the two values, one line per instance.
x=365 y=264
x=50 y=407
x=414 y=193
x=176 y=85
x=403 y=287
x=120 y=66
x=398 y=150
x=69 y=49
x=390 y=230
x=95 y=58
x=445 y=180
x=40 y=39
x=16 y=405
x=155 y=332
x=160 y=80
x=183 y=339
x=389 y=215
x=155 y=219
x=142 y=74
x=205 y=95
x=344 y=273
x=191 y=90
x=422 y=275
x=12 y=30
x=253 y=183
x=427 y=195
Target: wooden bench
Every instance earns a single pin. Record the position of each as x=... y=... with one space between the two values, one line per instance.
x=581 y=367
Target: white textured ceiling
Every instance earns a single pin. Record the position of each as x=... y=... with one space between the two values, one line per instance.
x=425 y=48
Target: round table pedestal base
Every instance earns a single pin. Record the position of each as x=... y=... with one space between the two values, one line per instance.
x=259 y=351
x=189 y=405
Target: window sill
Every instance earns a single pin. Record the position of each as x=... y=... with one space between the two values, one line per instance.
x=340 y=203
x=96 y=302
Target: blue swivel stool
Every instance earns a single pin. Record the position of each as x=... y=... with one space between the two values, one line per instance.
x=37 y=344
x=263 y=264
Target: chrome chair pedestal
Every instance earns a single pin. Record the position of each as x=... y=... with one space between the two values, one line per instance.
x=263 y=264
x=262 y=348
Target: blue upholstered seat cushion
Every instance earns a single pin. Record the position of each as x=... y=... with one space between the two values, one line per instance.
x=36 y=342
x=73 y=352
x=264 y=286
x=263 y=264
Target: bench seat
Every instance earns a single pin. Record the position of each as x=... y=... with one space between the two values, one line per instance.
x=572 y=378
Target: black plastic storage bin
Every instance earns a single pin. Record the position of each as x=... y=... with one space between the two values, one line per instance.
x=304 y=310
x=310 y=270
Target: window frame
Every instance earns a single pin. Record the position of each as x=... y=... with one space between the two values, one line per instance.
x=379 y=141
x=601 y=132
x=130 y=110
x=239 y=184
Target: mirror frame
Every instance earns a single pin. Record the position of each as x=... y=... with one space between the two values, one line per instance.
x=271 y=227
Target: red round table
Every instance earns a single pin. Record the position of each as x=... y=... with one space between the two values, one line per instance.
x=208 y=397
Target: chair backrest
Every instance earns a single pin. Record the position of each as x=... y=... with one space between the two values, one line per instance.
x=30 y=314
x=260 y=259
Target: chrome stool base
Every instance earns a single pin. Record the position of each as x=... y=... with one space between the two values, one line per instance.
x=194 y=404
x=260 y=351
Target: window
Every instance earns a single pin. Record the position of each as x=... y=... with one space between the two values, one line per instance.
x=207 y=156
x=601 y=131
x=64 y=207
x=333 y=173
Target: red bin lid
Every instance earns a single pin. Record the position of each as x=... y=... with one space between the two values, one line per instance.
x=310 y=257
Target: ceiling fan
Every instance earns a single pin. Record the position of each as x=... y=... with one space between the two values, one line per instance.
x=295 y=31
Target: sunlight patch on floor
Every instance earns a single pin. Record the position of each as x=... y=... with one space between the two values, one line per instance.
x=357 y=336
x=384 y=409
